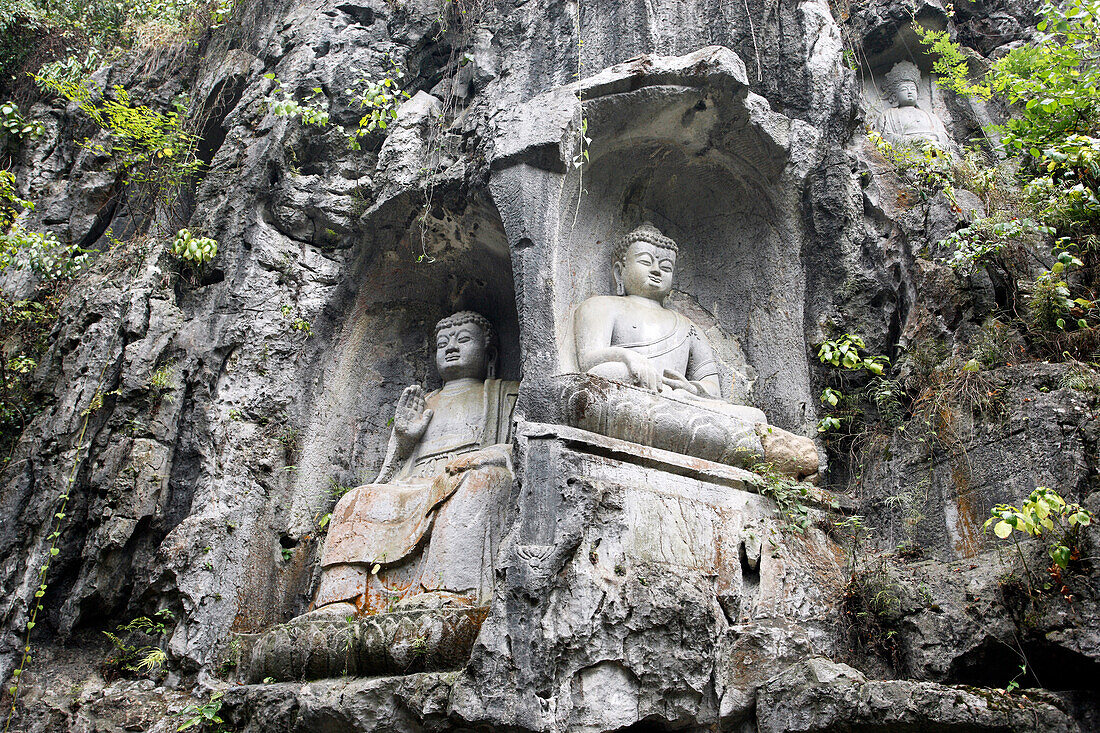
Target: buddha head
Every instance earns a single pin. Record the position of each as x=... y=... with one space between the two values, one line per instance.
x=464 y=347
x=644 y=262
x=902 y=82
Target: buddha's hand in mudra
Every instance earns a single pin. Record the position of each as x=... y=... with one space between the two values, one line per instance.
x=672 y=380
x=411 y=419
x=643 y=373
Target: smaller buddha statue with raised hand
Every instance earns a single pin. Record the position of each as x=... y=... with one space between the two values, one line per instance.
x=424 y=532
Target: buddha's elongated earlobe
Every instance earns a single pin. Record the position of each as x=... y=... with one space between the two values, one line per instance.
x=491 y=364
x=617 y=277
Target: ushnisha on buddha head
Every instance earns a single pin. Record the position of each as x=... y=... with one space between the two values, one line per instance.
x=902 y=83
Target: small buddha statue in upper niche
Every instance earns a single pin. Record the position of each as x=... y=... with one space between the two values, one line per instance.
x=424 y=532
x=633 y=338
x=905 y=121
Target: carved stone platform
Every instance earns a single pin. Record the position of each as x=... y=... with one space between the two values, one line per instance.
x=693 y=428
x=399 y=642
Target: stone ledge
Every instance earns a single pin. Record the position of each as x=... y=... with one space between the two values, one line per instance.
x=400 y=642
x=819 y=695
x=675 y=463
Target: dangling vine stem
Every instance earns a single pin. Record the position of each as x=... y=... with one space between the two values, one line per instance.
x=54 y=536
x=582 y=156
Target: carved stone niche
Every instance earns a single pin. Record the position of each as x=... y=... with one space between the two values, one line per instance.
x=405 y=584
x=900 y=99
x=682 y=143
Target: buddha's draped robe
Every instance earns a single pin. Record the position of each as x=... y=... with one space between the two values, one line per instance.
x=681 y=348
x=434 y=527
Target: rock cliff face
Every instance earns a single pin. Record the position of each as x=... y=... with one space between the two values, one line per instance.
x=740 y=126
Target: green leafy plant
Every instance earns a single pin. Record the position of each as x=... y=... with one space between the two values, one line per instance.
x=1052 y=87
x=42 y=253
x=13 y=126
x=151 y=148
x=296 y=321
x=951 y=63
x=25 y=323
x=844 y=352
x=205 y=717
x=131 y=656
x=1043 y=513
x=194 y=251
x=987 y=237
x=378 y=100
x=788 y=495
x=283 y=104
x=90 y=30
x=924 y=168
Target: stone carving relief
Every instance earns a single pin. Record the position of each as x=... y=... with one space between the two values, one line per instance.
x=904 y=121
x=424 y=532
x=656 y=377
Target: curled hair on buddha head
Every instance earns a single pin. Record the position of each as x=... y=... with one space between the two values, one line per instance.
x=902 y=71
x=644 y=232
x=462 y=317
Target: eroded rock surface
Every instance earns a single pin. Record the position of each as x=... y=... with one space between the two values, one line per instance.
x=635 y=585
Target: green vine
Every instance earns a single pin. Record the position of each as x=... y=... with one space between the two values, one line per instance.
x=52 y=552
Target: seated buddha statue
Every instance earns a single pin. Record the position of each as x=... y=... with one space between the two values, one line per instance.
x=423 y=534
x=906 y=122
x=634 y=339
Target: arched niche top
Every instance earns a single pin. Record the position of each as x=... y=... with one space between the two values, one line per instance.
x=451 y=257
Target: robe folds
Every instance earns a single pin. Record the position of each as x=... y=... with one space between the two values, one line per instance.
x=434 y=528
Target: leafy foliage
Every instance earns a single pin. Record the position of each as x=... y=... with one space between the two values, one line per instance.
x=25 y=323
x=986 y=238
x=13 y=126
x=87 y=32
x=1044 y=513
x=788 y=495
x=925 y=168
x=283 y=104
x=379 y=101
x=132 y=655
x=205 y=717
x=195 y=251
x=1053 y=88
x=951 y=63
x=844 y=352
x=151 y=148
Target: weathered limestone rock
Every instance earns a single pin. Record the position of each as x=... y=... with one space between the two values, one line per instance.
x=818 y=695
x=637 y=582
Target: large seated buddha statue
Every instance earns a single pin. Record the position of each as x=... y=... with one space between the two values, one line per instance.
x=675 y=398
x=423 y=534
